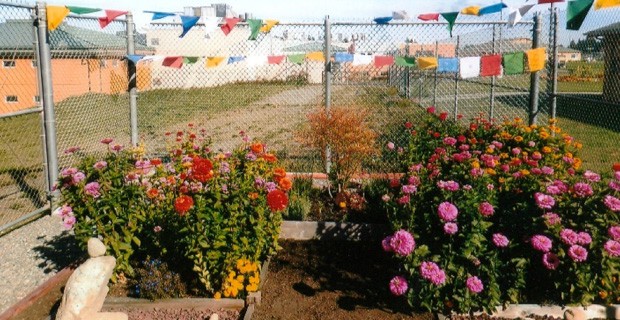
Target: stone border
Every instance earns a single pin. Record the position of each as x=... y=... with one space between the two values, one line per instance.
x=322 y=230
x=523 y=311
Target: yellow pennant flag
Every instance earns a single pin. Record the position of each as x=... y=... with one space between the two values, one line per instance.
x=600 y=4
x=471 y=10
x=55 y=16
x=425 y=63
x=268 y=25
x=213 y=62
x=536 y=59
x=315 y=56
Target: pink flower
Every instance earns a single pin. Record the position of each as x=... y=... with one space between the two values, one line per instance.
x=615 y=185
x=582 y=189
x=591 y=176
x=541 y=243
x=569 y=236
x=547 y=170
x=613 y=248
x=404 y=199
x=107 y=140
x=450 y=141
x=557 y=187
x=450 y=228
x=385 y=198
x=448 y=185
x=516 y=151
x=63 y=211
x=430 y=109
x=68 y=222
x=78 y=177
x=402 y=243
x=486 y=209
x=544 y=201
x=447 y=211
x=68 y=172
x=474 y=284
x=409 y=189
x=500 y=240
x=92 y=189
x=71 y=150
x=156 y=229
x=614 y=232
x=584 y=238
x=414 y=180
x=390 y=145
x=612 y=203
x=398 y=286
x=550 y=260
x=431 y=272
x=100 y=165
x=476 y=172
x=552 y=218
x=386 y=244
x=490 y=186
x=577 y=253
x=117 y=147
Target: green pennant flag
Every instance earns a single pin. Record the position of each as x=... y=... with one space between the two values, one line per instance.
x=405 y=61
x=296 y=58
x=82 y=10
x=190 y=60
x=513 y=63
x=450 y=17
x=255 y=25
x=576 y=12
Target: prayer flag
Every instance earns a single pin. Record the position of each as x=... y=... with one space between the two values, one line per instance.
x=82 y=10
x=426 y=63
x=315 y=56
x=343 y=57
x=513 y=63
x=254 y=25
x=275 y=59
x=268 y=25
x=382 y=61
x=235 y=59
x=382 y=20
x=549 y=1
x=110 y=15
x=471 y=10
x=229 y=24
x=600 y=4
x=153 y=58
x=134 y=57
x=190 y=60
x=448 y=65
x=213 y=62
x=405 y=61
x=429 y=17
x=400 y=15
x=536 y=59
x=576 y=12
x=515 y=16
x=55 y=16
x=160 y=15
x=173 y=62
x=491 y=65
x=255 y=61
x=469 y=67
x=211 y=24
x=188 y=22
x=361 y=59
x=296 y=58
x=450 y=17
x=494 y=8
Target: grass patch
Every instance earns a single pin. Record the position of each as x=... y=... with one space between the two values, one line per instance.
x=580 y=86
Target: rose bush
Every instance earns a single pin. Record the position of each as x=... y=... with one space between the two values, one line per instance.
x=195 y=208
x=501 y=213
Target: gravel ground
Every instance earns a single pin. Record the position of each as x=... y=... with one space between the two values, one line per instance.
x=30 y=255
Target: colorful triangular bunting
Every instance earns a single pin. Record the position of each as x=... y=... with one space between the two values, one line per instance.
x=82 y=10
x=55 y=16
x=429 y=17
x=110 y=15
x=229 y=24
x=255 y=25
x=450 y=17
x=188 y=22
x=576 y=12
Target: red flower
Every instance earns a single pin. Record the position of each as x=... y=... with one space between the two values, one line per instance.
x=152 y=193
x=394 y=183
x=257 y=147
x=156 y=161
x=616 y=166
x=443 y=116
x=202 y=169
x=183 y=204
x=430 y=109
x=408 y=125
x=436 y=134
x=277 y=200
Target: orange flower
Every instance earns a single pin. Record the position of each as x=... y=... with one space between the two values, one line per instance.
x=257 y=147
x=152 y=193
x=202 y=169
x=156 y=161
x=253 y=195
x=269 y=157
x=285 y=184
x=616 y=166
x=277 y=200
x=183 y=204
x=279 y=173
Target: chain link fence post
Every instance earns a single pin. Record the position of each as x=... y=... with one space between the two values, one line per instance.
x=535 y=77
x=328 y=84
x=131 y=74
x=553 y=86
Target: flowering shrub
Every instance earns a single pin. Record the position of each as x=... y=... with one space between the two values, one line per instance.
x=495 y=213
x=196 y=208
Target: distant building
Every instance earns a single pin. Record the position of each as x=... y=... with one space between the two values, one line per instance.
x=567 y=54
x=610 y=35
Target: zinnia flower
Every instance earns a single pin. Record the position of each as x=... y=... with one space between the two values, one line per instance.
x=486 y=209
x=450 y=228
x=402 y=243
x=544 y=201
x=550 y=260
x=612 y=203
x=582 y=189
x=431 y=272
x=398 y=286
x=592 y=176
x=183 y=204
x=613 y=248
x=202 y=169
x=386 y=244
x=257 y=147
x=552 y=218
x=584 y=238
x=578 y=253
x=68 y=222
x=447 y=211
x=541 y=243
x=569 y=236
x=277 y=200
x=474 y=284
x=614 y=232
x=390 y=145
x=92 y=189
x=100 y=165
x=500 y=240
x=63 y=211
x=107 y=140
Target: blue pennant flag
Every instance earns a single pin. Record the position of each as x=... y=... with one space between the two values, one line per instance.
x=235 y=59
x=160 y=15
x=134 y=57
x=188 y=22
x=492 y=8
x=383 y=20
x=343 y=57
x=448 y=65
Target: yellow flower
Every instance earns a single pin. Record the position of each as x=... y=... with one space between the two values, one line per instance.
x=491 y=171
x=240 y=278
x=568 y=155
x=475 y=164
x=518 y=138
x=533 y=126
x=342 y=204
x=518 y=120
x=505 y=135
x=504 y=155
x=251 y=287
x=525 y=172
x=577 y=164
x=602 y=294
x=254 y=279
x=217 y=295
x=232 y=275
x=546 y=149
x=489 y=150
x=578 y=145
x=528 y=129
x=544 y=135
x=502 y=180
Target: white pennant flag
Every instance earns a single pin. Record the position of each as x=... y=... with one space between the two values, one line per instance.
x=255 y=61
x=400 y=15
x=362 y=59
x=211 y=24
x=516 y=14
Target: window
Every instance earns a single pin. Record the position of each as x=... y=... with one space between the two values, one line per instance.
x=11 y=99
x=574 y=56
x=155 y=41
x=36 y=99
x=34 y=63
x=8 y=63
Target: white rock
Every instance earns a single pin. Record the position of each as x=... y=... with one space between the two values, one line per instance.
x=96 y=248
x=214 y=316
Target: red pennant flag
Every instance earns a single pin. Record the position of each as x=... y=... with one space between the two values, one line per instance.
x=275 y=59
x=381 y=61
x=549 y=1
x=110 y=15
x=229 y=25
x=429 y=17
x=173 y=62
x=491 y=65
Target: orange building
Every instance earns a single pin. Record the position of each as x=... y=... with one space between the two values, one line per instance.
x=83 y=61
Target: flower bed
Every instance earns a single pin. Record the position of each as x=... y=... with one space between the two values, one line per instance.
x=491 y=214
x=194 y=222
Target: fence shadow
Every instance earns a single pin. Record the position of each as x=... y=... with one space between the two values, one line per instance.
x=32 y=193
x=603 y=115
x=61 y=251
